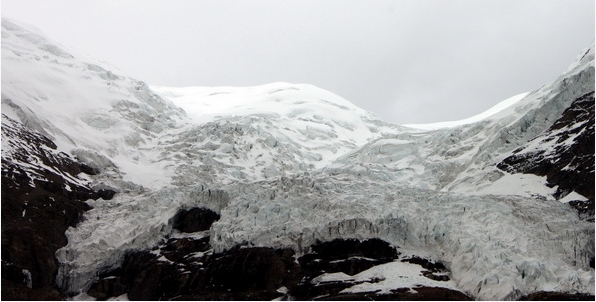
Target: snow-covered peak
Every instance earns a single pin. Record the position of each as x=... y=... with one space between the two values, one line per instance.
x=296 y=105
x=40 y=76
x=14 y=34
x=461 y=156
x=97 y=115
x=514 y=105
x=286 y=165
x=83 y=108
x=584 y=58
x=280 y=128
x=280 y=99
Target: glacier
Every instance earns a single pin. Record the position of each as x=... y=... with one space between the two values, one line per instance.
x=286 y=165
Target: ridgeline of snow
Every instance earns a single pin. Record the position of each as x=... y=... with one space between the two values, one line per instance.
x=287 y=101
x=110 y=121
x=320 y=125
x=463 y=158
x=288 y=164
x=476 y=118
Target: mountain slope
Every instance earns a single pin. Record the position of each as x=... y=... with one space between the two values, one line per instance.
x=271 y=130
x=85 y=109
x=463 y=157
x=41 y=187
x=293 y=187
x=564 y=153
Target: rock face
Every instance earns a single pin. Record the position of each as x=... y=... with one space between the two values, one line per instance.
x=292 y=193
x=194 y=220
x=186 y=269
x=42 y=196
x=349 y=256
x=419 y=294
x=556 y=296
x=564 y=154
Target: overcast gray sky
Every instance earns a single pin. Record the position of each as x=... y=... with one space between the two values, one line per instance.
x=415 y=61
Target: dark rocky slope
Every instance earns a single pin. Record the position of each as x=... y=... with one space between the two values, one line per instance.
x=41 y=197
x=185 y=268
x=564 y=153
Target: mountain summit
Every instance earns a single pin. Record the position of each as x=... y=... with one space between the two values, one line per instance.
x=115 y=189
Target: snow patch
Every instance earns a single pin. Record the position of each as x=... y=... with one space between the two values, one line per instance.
x=394 y=275
x=294 y=164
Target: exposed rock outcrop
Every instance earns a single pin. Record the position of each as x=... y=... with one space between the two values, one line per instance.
x=194 y=220
x=556 y=296
x=186 y=269
x=404 y=294
x=42 y=196
x=287 y=169
x=564 y=154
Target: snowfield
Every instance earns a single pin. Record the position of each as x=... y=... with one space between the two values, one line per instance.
x=286 y=165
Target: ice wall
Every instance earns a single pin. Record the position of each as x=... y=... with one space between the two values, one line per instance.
x=125 y=223
x=496 y=247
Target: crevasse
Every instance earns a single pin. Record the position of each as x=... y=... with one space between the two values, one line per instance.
x=294 y=165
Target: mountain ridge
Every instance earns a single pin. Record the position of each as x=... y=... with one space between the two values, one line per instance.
x=284 y=181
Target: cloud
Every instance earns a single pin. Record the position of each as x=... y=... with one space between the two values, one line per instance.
x=408 y=61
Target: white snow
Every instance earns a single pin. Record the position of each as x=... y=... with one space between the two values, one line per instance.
x=123 y=297
x=126 y=222
x=384 y=278
x=288 y=164
x=80 y=105
x=270 y=100
x=573 y=196
x=332 y=277
x=480 y=238
x=314 y=120
x=394 y=275
x=528 y=185
x=476 y=118
x=28 y=280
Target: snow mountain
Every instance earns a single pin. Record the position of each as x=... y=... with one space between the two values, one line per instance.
x=115 y=189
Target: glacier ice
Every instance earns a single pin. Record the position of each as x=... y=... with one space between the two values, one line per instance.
x=125 y=223
x=286 y=165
